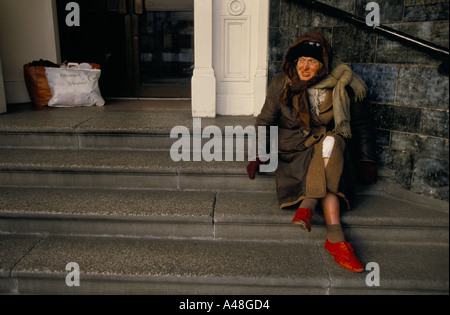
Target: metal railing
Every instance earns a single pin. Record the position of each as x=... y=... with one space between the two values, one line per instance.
x=426 y=46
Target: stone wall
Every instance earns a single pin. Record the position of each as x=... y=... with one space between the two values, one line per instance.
x=409 y=96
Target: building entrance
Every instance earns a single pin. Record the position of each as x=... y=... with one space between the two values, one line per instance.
x=145 y=47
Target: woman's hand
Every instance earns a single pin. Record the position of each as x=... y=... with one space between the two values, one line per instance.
x=253 y=168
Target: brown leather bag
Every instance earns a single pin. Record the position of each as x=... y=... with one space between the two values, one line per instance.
x=37 y=85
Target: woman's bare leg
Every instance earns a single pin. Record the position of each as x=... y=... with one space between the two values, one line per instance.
x=331 y=212
x=331 y=209
x=331 y=203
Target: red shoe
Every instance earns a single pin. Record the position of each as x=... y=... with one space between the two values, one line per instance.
x=303 y=219
x=343 y=254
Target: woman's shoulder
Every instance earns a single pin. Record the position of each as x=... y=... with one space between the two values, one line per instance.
x=278 y=82
x=279 y=77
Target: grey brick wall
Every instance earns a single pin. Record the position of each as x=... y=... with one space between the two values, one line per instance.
x=409 y=96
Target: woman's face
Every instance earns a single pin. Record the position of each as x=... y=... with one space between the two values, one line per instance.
x=307 y=68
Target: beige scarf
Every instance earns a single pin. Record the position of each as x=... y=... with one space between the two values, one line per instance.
x=339 y=78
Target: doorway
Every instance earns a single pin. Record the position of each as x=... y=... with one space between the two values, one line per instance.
x=145 y=47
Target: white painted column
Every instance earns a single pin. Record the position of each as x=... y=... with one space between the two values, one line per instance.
x=2 y=92
x=203 y=80
x=261 y=77
x=231 y=57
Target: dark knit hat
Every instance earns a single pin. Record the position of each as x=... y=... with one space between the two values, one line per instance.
x=301 y=47
x=310 y=49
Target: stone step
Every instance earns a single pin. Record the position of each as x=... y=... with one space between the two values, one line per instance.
x=122 y=170
x=94 y=128
x=37 y=265
x=250 y=216
x=99 y=188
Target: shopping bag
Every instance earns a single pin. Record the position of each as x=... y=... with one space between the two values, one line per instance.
x=74 y=85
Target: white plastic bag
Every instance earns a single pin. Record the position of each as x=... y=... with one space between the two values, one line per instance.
x=74 y=86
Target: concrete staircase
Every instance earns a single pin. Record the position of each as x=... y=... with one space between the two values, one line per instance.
x=97 y=186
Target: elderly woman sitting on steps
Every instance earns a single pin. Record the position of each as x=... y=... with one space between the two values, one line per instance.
x=324 y=138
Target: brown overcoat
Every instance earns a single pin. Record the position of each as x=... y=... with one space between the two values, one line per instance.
x=301 y=172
